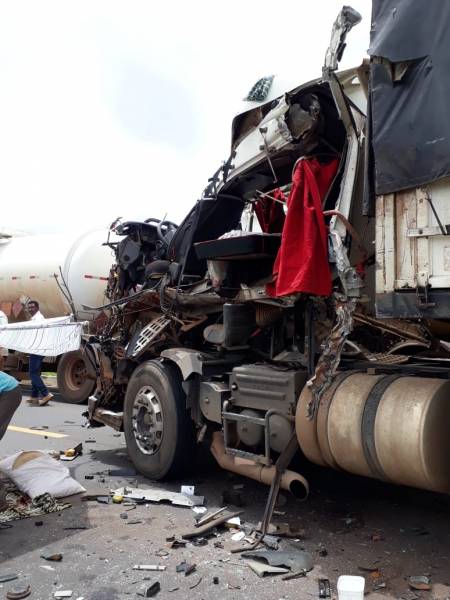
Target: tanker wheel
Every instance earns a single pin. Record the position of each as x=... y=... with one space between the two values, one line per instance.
x=158 y=429
x=76 y=380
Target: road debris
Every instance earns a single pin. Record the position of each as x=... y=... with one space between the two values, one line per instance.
x=8 y=577
x=200 y=541
x=297 y=575
x=153 y=495
x=262 y=569
x=52 y=557
x=18 y=592
x=194 y=585
x=63 y=594
x=174 y=543
x=351 y=586
x=189 y=490
x=210 y=517
x=237 y=537
x=151 y=590
x=71 y=453
x=233 y=523
x=219 y=520
x=199 y=510
x=419 y=582
x=295 y=560
x=324 y=588
x=149 y=568
x=47 y=567
x=215 y=580
x=185 y=568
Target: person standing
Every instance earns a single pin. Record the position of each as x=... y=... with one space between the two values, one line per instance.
x=39 y=393
x=10 y=398
x=3 y=351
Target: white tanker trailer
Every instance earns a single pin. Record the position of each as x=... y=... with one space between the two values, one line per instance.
x=62 y=272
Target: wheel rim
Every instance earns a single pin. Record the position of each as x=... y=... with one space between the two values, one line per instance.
x=76 y=374
x=147 y=419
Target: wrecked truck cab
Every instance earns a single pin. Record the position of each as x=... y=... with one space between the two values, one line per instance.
x=267 y=338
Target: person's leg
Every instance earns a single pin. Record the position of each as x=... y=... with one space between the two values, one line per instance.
x=9 y=403
x=35 y=374
x=36 y=379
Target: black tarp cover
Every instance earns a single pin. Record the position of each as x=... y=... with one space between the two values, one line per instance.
x=410 y=118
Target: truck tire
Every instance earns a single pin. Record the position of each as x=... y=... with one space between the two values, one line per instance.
x=75 y=377
x=158 y=429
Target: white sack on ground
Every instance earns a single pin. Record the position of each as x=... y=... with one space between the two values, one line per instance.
x=49 y=337
x=36 y=473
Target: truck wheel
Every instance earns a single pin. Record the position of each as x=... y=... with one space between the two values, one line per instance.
x=75 y=380
x=158 y=429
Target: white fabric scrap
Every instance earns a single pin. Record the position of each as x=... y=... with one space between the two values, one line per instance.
x=49 y=337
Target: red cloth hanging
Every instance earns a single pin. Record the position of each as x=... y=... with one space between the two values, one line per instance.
x=302 y=261
x=270 y=214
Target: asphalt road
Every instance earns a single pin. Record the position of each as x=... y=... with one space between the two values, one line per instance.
x=351 y=525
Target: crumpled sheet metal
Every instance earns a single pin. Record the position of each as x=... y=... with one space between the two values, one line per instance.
x=329 y=359
x=295 y=560
x=160 y=496
x=22 y=507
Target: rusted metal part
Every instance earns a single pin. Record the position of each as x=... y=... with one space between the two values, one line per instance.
x=108 y=417
x=329 y=360
x=403 y=329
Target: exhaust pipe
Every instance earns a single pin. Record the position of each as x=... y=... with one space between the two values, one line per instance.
x=290 y=481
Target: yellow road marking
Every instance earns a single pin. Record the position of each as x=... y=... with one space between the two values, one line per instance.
x=36 y=431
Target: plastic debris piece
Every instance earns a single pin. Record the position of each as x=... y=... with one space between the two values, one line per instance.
x=173 y=589
x=237 y=537
x=149 y=568
x=52 y=557
x=233 y=523
x=63 y=594
x=47 y=567
x=262 y=569
x=188 y=490
x=324 y=588
x=215 y=580
x=18 y=592
x=199 y=510
x=89 y=477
